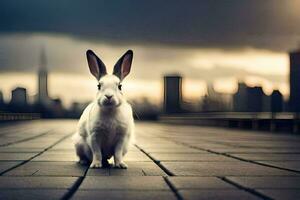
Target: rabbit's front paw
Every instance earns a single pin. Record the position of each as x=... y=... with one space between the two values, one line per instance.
x=96 y=164
x=121 y=165
x=83 y=162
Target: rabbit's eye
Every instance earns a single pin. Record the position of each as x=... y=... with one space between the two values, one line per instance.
x=120 y=87
x=99 y=86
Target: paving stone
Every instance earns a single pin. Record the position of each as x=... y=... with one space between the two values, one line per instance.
x=20 y=150
x=136 y=156
x=223 y=169
x=268 y=182
x=123 y=195
x=158 y=143
x=293 y=165
x=16 y=156
x=57 y=156
x=147 y=168
x=127 y=172
x=206 y=145
x=29 y=194
x=6 y=165
x=172 y=150
x=65 y=145
x=48 y=169
x=269 y=156
x=52 y=150
x=282 y=194
x=121 y=183
x=36 y=182
x=29 y=144
x=134 y=169
x=190 y=157
x=216 y=194
x=256 y=150
x=7 y=141
x=199 y=183
x=268 y=144
x=98 y=172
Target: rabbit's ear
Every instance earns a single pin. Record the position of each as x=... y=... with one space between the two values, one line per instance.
x=97 y=67
x=122 y=67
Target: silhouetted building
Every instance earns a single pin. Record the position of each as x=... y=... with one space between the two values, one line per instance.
x=240 y=98
x=43 y=97
x=19 y=97
x=295 y=81
x=266 y=104
x=172 y=93
x=276 y=101
x=2 y=103
x=1 y=98
x=57 y=109
x=250 y=99
x=255 y=99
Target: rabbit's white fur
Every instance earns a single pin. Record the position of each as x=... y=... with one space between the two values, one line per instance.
x=106 y=127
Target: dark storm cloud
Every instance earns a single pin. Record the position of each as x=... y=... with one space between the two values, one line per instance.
x=271 y=24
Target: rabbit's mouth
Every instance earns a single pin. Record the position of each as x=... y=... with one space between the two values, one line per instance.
x=109 y=103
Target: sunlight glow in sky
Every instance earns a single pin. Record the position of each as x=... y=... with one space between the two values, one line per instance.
x=68 y=72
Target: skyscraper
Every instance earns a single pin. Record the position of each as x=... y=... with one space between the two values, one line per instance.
x=240 y=98
x=249 y=99
x=255 y=99
x=295 y=81
x=18 y=97
x=276 y=101
x=1 y=97
x=43 y=97
x=172 y=93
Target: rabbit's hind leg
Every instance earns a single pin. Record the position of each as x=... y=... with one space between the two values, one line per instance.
x=83 y=152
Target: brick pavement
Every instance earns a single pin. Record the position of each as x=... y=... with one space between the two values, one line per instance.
x=37 y=161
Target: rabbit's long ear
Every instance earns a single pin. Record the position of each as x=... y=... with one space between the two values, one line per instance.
x=122 y=67
x=97 y=67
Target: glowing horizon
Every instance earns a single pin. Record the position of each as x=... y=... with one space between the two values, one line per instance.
x=68 y=68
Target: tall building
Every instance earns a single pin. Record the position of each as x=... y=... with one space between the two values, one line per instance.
x=240 y=98
x=1 y=98
x=172 y=93
x=19 y=97
x=255 y=98
x=250 y=99
x=295 y=81
x=43 y=97
x=276 y=101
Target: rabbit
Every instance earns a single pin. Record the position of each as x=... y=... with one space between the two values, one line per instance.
x=106 y=126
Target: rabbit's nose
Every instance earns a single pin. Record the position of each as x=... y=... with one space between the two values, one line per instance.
x=108 y=96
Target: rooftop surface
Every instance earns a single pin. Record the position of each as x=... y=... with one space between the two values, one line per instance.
x=37 y=161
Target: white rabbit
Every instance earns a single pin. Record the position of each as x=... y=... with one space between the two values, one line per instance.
x=106 y=126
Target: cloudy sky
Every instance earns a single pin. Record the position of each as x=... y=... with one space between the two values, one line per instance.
x=210 y=41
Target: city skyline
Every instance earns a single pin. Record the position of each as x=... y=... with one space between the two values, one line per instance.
x=225 y=79
x=173 y=100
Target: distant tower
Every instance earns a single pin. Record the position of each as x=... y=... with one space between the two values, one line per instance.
x=172 y=93
x=295 y=81
x=43 y=97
